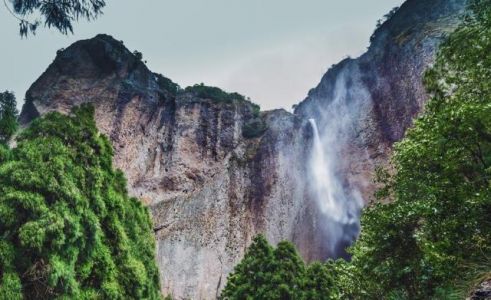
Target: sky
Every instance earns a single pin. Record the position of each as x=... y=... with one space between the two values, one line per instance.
x=273 y=51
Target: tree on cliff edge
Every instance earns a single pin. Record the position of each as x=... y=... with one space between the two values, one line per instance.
x=57 y=14
x=68 y=229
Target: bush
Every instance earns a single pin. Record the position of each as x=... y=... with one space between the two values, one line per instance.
x=138 y=55
x=167 y=84
x=213 y=93
x=254 y=128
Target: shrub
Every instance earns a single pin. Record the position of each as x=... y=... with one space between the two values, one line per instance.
x=213 y=93
x=168 y=85
x=254 y=128
x=138 y=55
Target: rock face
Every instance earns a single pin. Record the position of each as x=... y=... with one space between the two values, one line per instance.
x=209 y=188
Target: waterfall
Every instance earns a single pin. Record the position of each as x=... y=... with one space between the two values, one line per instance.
x=338 y=200
x=327 y=187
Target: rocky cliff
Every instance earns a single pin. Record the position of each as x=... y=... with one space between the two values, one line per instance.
x=210 y=185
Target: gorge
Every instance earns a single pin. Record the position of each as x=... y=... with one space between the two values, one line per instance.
x=211 y=187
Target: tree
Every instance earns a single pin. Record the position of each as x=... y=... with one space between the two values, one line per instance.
x=420 y=245
x=251 y=278
x=138 y=55
x=288 y=273
x=8 y=116
x=320 y=282
x=68 y=228
x=57 y=14
x=267 y=273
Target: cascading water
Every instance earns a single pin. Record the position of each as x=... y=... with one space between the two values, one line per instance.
x=326 y=186
x=339 y=202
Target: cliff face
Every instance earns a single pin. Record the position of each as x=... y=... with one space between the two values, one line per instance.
x=210 y=189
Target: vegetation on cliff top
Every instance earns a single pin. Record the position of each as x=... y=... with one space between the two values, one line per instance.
x=214 y=93
x=428 y=242
x=68 y=228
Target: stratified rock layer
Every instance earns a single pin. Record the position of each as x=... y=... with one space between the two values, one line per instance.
x=210 y=189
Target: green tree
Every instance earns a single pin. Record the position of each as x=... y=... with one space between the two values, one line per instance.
x=8 y=116
x=320 y=283
x=251 y=278
x=57 y=14
x=68 y=228
x=288 y=277
x=438 y=223
x=267 y=273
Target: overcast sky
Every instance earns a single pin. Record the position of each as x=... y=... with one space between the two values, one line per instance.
x=273 y=51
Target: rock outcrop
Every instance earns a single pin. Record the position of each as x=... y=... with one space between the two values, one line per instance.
x=210 y=189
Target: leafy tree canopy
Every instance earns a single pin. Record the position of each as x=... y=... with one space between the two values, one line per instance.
x=68 y=228
x=57 y=14
x=421 y=244
x=267 y=273
x=214 y=93
x=8 y=116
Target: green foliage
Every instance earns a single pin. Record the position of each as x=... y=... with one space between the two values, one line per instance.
x=417 y=247
x=254 y=128
x=68 y=227
x=138 y=55
x=57 y=14
x=319 y=283
x=213 y=93
x=267 y=273
x=381 y=21
x=8 y=116
x=167 y=84
x=252 y=276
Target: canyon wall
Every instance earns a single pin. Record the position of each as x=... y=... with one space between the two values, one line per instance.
x=211 y=189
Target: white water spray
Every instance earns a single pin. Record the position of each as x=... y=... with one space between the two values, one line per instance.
x=338 y=200
x=326 y=185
